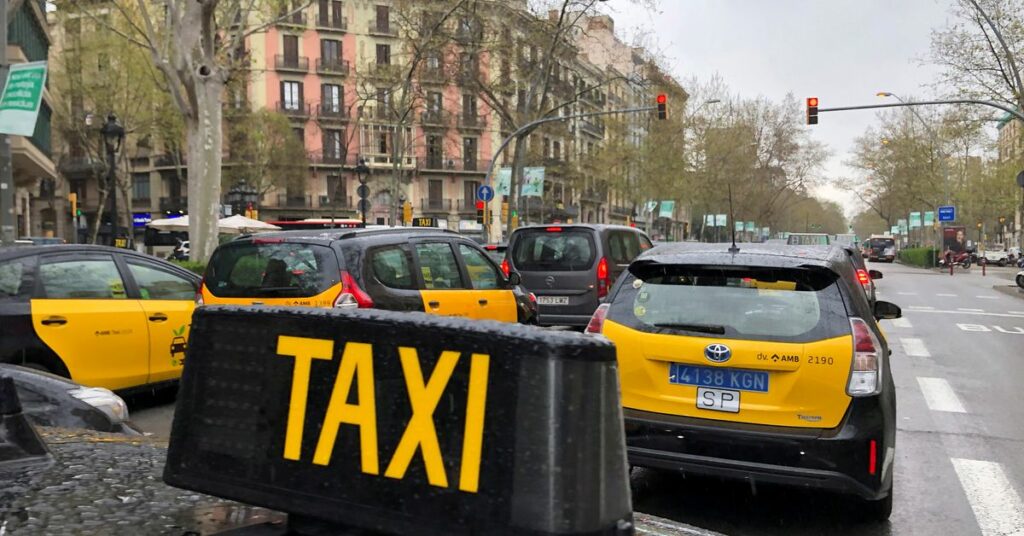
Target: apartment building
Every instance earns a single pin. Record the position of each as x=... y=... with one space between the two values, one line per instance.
x=37 y=198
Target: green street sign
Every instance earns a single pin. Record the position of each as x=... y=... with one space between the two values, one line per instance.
x=915 y=220
x=929 y=218
x=19 y=105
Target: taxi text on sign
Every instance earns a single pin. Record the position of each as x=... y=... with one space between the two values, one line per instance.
x=19 y=104
x=402 y=422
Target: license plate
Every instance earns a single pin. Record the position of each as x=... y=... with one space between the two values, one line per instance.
x=553 y=300
x=724 y=378
x=718 y=400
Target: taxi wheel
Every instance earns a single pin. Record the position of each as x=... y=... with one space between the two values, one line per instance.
x=877 y=511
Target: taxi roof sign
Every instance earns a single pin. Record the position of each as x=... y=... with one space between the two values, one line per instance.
x=402 y=422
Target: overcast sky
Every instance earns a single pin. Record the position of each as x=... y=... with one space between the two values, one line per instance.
x=841 y=51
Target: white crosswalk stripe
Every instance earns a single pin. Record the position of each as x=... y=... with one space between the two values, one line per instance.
x=902 y=322
x=970 y=310
x=988 y=297
x=939 y=395
x=946 y=295
x=914 y=347
x=997 y=506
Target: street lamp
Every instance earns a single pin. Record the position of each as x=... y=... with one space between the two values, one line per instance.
x=243 y=197
x=113 y=138
x=362 y=170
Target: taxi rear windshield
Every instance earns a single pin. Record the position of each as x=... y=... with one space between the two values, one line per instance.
x=271 y=270
x=554 y=249
x=791 y=305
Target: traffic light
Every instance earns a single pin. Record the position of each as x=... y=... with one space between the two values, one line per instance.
x=73 y=199
x=504 y=211
x=480 y=212
x=812 y=110
x=662 y=106
x=407 y=213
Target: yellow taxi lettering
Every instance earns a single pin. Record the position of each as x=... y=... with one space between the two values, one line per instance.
x=356 y=363
x=420 y=432
x=304 y=350
x=472 y=438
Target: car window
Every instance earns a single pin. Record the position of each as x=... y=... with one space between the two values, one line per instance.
x=743 y=303
x=438 y=266
x=623 y=246
x=392 y=268
x=554 y=249
x=262 y=269
x=645 y=243
x=482 y=273
x=12 y=274
x=73 y=278
x=157 y=284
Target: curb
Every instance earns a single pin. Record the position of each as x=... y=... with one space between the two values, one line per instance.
x=648 y=525
x=1009 y=290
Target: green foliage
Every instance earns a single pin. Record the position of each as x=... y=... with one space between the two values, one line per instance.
x=264 y=152
x=192 y=266
x=921 y=257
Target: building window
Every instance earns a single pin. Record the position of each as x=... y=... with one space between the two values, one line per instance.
x=383 y=19
x=433 y=61
x=435 y=153
x=332 y=98
x=469 y=105
x=556 y=150
x=469 y=192
x=330 y=51
x=336 y=190
x=140 y=186
x=291 y=49
x=291 y=95
x=300 y=133
x=469 y=154
x=333 y=144
x=435 y=102
x=383 y=54
x=435 y=193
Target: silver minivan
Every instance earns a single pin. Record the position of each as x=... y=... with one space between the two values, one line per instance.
x=571 y=267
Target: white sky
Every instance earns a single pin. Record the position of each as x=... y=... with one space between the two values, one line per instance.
x=841 y=51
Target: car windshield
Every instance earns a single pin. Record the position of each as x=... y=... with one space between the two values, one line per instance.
x=554 y=249
x=261 y=269
x=881 y=243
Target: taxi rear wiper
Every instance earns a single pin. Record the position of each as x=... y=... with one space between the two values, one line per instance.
x=702 y=328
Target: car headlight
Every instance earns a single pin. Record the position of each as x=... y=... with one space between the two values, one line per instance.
x=104 y=400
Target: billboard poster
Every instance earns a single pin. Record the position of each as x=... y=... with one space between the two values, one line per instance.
x=954 y=238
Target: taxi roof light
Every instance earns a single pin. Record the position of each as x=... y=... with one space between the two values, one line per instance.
x=865 y=370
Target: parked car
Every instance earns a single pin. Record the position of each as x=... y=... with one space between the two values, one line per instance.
x=401 y=269
x=997 y=254
x=101 y=316
x=50 y=400
x=180 y=252
x=571 y=268
x=865 y=276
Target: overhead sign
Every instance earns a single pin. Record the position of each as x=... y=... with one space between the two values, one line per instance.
x=720 y=220
x=23 y=94
x=915 y=220
x=402 y=423
x=533 y=182
x=485 y=193
x=668 y=208
x=947 y=213
x=929 y=218
x=902 y=225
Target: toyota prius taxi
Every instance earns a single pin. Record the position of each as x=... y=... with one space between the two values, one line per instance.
x=765 y=364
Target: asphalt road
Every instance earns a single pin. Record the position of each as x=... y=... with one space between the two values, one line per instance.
x=958 y=363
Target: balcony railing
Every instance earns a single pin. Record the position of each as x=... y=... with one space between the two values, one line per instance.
x=339 y=24
x=382 y=28
x=332 y=66
x=334 y=159
x=173 y=204
x=169 y=160
x=432 y=74
x=453 y=164
x=294 y=201
x=339 y=203
x=434 y=118
x=328 y=112
x=291 y=63
x=592 y=127
x=295 y=19
x=376 y=112
x=435 y=205
x=383 y=70
x=472 y=121
x=293 y=109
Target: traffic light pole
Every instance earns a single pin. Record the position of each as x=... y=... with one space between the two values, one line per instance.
x=992 y=104
x=534 y=124
x=7 y=231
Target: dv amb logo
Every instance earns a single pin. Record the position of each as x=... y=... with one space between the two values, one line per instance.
x=420 y=434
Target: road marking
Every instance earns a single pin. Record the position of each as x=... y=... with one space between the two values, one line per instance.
x=901 y=322
x=970 y=310
x=947 y=295
x=920 y=307
x=997 y=507
x=988 y=297
x=907 y=293
x=1016 y=312
x=914 y=309
x=939 y=395
x=914 y=347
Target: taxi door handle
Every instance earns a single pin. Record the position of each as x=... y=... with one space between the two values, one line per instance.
x=434 y=304
x=482 y=302
x=54 y=321
x=158 y=317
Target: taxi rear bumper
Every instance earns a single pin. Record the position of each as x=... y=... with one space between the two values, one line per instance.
x=835 y=459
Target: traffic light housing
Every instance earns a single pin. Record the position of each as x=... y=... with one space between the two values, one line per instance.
x=73 y=199
x=407 y=213
x=504 y=211
x=662 y=106
x=480 y=212
x=812 y=110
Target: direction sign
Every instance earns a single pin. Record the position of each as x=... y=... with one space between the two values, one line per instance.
x=19 y=104
x=947 y=213
x=485 y=193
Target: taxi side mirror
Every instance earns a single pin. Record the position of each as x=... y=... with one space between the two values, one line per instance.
x=514 y=279
x=874 y=274
x=887 y=311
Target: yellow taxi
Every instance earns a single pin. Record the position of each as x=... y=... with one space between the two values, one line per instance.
x=402 y=269
x=101 y=316
x=764 y=364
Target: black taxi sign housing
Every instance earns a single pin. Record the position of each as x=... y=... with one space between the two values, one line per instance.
x=402 y=423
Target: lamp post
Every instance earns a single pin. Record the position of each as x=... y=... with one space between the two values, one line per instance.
x=243 y=198
x=113 y=138
x=362 y=170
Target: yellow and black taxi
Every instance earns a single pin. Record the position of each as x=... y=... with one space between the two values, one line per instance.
x=764 y=364
x=101 y=316
x=401 y=269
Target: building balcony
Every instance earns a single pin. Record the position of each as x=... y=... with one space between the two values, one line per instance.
x=295 y=19
x=435 y=118
x=332 y=66
x=328 y=112
x=381 y=29
x=328 y=24
x=338 y=203
x=376 y=112
x=432 y=75
x=453 y=165
x=621 y=210
x=435 y=206
x=294 y=201
x=291 y=63
x=386 y=71
x=74 y=166
x=170 y=161
x=589 y=126
x=330 y=159
x=173 y=204
x=472 y=122
x=385 y=161
x=294 y=110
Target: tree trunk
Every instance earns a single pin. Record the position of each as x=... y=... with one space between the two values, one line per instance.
x=94 y=228
x=204 y=135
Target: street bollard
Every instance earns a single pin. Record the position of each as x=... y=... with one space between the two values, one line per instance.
x=984 y=263
x=402 y=423
x=950 y=263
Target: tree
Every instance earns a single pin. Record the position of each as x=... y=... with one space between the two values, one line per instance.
x=264 y=152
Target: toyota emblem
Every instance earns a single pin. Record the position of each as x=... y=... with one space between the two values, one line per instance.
x=717 y=353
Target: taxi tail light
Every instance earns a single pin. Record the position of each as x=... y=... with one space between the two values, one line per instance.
x=504 y=267
x=199 y=291
x=866 y=370
x=351 y=295
x=596 y=324
x=603 y=280
x=863 y=277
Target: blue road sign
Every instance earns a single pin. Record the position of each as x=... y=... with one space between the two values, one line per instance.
x=947 y=213
x=485 y=193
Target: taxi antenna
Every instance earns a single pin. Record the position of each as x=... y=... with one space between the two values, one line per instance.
x=732 y=219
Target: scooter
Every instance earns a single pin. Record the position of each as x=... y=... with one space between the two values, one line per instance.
x=963 y=259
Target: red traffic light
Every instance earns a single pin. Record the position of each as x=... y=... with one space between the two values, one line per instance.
x=812 y=101
x=662 y=98
x=812 y=110
x=479 y=205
